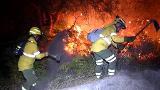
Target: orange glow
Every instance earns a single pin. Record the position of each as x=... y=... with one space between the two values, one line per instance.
x=87 y=18
x=78 y=43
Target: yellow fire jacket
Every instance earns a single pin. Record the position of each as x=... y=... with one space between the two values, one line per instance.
x=108 y=37
x=31 y=52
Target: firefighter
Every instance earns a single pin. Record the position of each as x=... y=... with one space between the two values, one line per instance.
x=100 y=48
x=26 y=61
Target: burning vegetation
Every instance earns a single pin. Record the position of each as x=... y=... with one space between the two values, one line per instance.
x=80 y=17
x=84 y=16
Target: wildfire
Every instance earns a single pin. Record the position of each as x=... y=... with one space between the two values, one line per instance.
x=77 y=43
x=70 y=47
x=87 y=18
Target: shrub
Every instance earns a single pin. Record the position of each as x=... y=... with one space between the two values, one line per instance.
x=80 y=65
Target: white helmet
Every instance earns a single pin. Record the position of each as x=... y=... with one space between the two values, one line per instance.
x=120 y=21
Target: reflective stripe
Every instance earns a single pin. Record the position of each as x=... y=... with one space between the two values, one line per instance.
x=34 y=84
x=105 y=39
x=110 y=74
x=31 y=55
x=36 y=53
x=99 y=60
x=113 y=34
x=98 y=77
x=109 y=58
x=28 y=55
x=18 y=47
x=23 y=88
x=101 y=36
x=98 y=74
x=111 y=70
x=35 y=31
x=112 y=59
x=99 y=63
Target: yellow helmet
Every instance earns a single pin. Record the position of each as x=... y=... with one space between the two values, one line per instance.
x=35 y=31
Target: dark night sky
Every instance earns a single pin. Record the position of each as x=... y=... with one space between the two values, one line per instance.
x=14 y=24
x=11 y=19
x=17 y=16
x=16 y=19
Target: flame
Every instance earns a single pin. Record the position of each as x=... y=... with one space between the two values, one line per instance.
x=78 y=29
x=77 y=44
x=70 y=47
x=87 y=17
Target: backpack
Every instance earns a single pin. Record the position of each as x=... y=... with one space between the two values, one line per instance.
x=19 y=48
x=94 y=35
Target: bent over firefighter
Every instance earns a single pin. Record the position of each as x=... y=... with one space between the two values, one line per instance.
x=103 y=56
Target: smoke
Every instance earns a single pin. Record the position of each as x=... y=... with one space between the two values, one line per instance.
x=56 y=48
x=125 y=80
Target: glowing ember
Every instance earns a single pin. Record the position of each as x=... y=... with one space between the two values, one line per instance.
x=144 y=57
x=90 y=16
x=70 y=47
x=77 y=43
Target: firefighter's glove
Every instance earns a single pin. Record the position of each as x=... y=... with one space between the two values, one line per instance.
x=120 y=46
x=129 y=39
